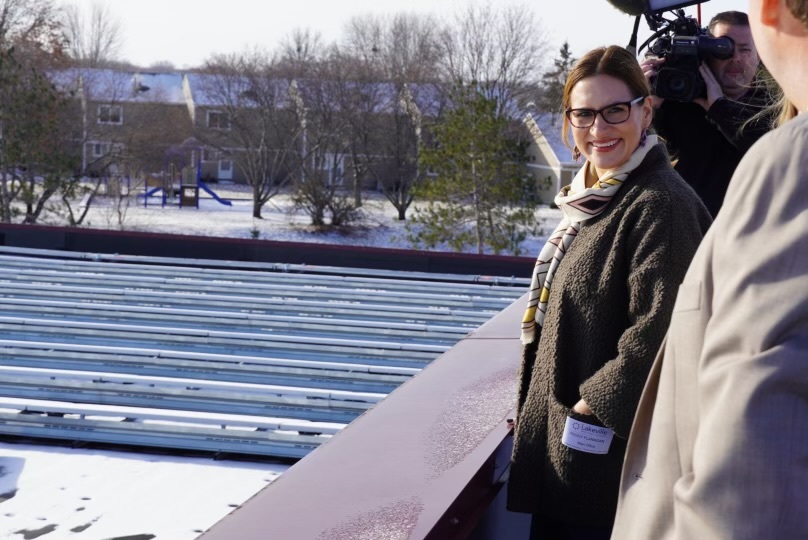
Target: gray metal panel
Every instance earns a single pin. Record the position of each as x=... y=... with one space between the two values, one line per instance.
x=259 y=370
x=174 y=342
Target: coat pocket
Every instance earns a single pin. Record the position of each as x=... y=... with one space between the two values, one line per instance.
x=688 y=297
x=579 y=485
x=689 y=320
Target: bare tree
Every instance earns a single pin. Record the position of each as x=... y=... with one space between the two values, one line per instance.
x=399 y=173
x=382 y=56
x=411 y=50
x=321 y=191
x=499 y=49
x=358 y=98
x=299 y=52
x=402 y=48
x=30 y=24
x=362 y=41
x=162 y=66
x=264 y=132
x=95 y=37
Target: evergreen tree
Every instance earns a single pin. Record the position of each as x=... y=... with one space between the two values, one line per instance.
x=35 y=159
x=476 y=196
x=554 y=79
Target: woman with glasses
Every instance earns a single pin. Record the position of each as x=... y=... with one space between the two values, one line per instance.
x=601 y=298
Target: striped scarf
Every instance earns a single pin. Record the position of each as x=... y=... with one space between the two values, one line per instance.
x=578 y=203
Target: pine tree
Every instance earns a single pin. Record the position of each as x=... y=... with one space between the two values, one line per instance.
x=554 y=79
x=476 y=194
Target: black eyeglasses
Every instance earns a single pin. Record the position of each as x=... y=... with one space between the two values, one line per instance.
x=616 y=113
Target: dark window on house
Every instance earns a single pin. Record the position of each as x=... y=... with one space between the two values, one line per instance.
x=100 y=149
x=106 y=149
x=218 y=120
x=110 y=114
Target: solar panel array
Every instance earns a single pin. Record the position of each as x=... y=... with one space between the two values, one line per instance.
x=223 y=357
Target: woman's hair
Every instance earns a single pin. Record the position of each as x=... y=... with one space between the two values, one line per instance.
x=799 y=8
x=785 y=111
x=614 y=61
x=777 y=110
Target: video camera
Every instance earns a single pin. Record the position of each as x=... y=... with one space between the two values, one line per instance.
x=683 y=45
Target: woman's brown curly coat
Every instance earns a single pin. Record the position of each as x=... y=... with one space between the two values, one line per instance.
x=608 y=311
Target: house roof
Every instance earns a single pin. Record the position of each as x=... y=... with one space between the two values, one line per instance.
x=550 y=126
x=206 y=91
x=162 y=87
x=112 y=85
x=210 y=90
x=116 y=86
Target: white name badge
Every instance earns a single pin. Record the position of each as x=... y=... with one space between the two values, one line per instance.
x=586 y=437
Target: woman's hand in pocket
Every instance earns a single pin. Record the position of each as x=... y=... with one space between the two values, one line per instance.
x=582 y=408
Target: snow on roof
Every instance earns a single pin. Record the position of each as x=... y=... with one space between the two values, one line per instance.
x=208 y=89
x=211 y=90
x=65 y=80
x=158 y=87
x=109 y=85
x=59 y=493
x=550 y=127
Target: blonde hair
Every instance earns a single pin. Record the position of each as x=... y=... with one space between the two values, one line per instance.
x=782 y=109
x=799 y=8
x=778 y=109
x=787 y=111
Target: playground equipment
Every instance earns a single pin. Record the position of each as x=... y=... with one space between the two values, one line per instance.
x=179 y=187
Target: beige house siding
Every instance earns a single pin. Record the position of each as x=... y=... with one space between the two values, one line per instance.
x=550 y=172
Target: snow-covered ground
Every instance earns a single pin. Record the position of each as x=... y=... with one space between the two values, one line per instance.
x=378 y=228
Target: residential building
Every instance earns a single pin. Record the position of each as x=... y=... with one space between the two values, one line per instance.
x=132 y=122
x=547 y=160
x=235 y=127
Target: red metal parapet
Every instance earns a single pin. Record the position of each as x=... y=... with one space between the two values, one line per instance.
x=425 y=463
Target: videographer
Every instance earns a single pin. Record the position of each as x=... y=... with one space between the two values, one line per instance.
x=708 y=136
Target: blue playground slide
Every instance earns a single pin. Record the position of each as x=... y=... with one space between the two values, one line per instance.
x=204 y=187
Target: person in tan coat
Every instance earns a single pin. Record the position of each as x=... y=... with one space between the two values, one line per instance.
x=719 y=446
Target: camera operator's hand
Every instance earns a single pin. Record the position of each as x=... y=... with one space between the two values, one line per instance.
x=714 y=90
x=650 y=67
